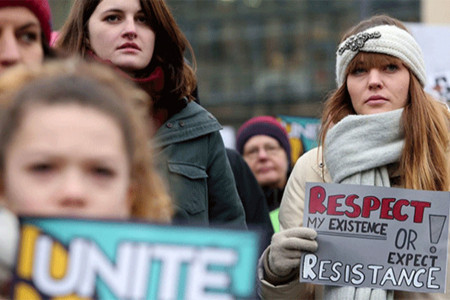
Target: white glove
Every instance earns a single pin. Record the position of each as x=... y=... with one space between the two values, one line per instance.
x=286 y=248
x=9 y=235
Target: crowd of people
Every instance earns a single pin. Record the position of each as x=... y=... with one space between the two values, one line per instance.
x=104 y=122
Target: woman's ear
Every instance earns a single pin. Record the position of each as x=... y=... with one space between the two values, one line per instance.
x=86 y=40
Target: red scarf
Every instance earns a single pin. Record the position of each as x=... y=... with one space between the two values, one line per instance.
x=155 y=79
x=153 y=83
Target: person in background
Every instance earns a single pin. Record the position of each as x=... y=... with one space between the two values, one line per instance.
x=25 y=31
x=142 y=41
x=380 y=103
x=264 y=144
x=73 y=143
x=252 y=196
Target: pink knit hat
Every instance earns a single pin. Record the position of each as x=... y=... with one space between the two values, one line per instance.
x=41 y=8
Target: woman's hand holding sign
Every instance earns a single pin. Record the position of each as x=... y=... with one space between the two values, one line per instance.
x=283 y=257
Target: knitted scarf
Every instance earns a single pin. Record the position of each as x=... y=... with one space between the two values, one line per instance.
x=153 y=84
x=153 y=81
x=357 y=150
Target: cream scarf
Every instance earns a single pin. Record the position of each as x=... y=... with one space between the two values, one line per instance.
x=357 y=151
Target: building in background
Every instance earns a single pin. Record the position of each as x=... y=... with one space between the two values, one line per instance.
x=276 y=57
x=435 y=12
x=272 y=57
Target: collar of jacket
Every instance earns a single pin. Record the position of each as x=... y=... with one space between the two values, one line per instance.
x=191 y=122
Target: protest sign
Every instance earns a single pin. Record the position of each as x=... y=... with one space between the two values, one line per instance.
x=434 y=42
x=302 y=133
x=92 y=259
x=388 y=238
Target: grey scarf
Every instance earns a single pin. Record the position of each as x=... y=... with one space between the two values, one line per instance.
x=357 y=151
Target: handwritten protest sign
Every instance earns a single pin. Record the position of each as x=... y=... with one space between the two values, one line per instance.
x=441 y=86
x=389 y=238
x=75 y=258
x=434 y=42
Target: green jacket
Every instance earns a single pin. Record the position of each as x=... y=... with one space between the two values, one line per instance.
x=191 y=156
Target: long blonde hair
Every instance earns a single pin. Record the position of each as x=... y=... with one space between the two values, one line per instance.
x=424 y=162
x=96 y=86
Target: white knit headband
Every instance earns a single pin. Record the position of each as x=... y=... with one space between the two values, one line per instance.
x=387 y=39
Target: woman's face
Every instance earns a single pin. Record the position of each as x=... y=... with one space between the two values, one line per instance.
x=267 y=160
x=378 y=89
x=119 y=32
x=67 y=160
x=20 y=38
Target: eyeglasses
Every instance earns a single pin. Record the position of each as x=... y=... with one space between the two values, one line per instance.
x=270 y=150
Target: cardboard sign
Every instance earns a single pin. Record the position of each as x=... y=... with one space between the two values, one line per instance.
x=434 y=42
x=388 y=238
x=92 y=259
x=441 y=86
x=302 y=133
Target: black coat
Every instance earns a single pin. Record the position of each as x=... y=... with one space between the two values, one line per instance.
x=252 y=196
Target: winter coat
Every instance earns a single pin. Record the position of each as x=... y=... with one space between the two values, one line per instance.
x=9 y=236
x=190 y=154
x=273 y=197
x=252 y=197
x=309 y=168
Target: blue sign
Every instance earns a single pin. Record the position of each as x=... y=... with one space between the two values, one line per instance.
x=98 y=259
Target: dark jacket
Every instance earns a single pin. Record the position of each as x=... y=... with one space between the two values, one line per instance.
x=274 y=195
x=190 y=154
x=252 y=196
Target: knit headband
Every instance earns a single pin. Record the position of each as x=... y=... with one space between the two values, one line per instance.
x=386 y=39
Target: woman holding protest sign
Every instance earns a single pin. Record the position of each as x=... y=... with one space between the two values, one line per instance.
x=141 y=39
x=379 y=104
x=73 y=143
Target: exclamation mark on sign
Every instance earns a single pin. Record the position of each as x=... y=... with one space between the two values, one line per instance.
x=437 y=223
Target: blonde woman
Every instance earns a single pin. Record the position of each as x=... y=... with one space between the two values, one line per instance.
x=379 y=103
